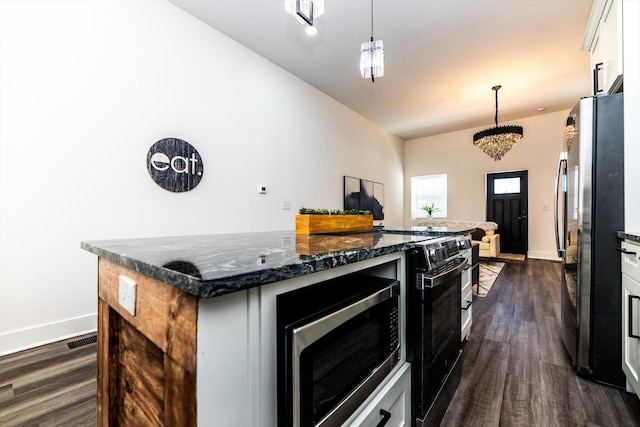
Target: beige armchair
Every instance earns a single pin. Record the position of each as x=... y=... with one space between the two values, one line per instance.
x=484 y=235
x=489 y=244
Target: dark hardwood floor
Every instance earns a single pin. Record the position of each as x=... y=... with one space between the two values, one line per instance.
x=515 y=370
x=51 y=385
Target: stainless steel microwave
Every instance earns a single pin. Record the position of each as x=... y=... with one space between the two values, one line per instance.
x=337 y=341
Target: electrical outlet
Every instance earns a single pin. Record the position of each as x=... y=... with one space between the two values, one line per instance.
x=262 y=189
x=286 y=206
x=545 y=207
x=127 y=294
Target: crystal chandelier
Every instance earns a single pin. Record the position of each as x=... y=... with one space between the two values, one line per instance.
x=372 y=56
x=570 y=131
x=496 y=141
x=305 y=11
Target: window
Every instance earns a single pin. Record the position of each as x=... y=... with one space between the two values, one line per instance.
x=506 y=185
x=426 y=190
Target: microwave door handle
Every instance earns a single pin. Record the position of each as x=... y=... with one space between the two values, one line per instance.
x=556 y=199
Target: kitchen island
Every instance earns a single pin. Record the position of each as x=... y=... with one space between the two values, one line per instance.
x=186 y=325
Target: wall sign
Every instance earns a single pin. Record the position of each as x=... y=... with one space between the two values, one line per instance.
x=175 y=165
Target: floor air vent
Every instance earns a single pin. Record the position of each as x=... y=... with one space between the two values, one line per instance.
x=84 y=341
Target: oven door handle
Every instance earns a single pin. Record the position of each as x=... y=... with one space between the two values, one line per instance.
x=432 y=282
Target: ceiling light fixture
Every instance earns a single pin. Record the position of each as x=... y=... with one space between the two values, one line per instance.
x=372 y=56
x=570 y=131
x=305 y=11
x=496 y=141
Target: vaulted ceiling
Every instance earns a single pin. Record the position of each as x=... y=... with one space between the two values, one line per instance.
x=441 y=56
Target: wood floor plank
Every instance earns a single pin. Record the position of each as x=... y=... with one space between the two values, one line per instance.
x=550 y=341
x=558 y=402
x=523 y=340
x=517 y=401
x=480 y=404
x=46 y=405
x=81 y=413
x=44 y=374
x=6 y=392
x=499 y=325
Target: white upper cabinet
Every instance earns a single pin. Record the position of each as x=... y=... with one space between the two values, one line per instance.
x=603 y=38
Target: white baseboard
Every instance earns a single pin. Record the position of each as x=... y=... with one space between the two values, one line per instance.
x=551 y=256
x=14 y=341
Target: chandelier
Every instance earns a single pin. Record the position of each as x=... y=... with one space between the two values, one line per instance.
x=570 y=131
x=305 y=11
x=372 y=56
x=496 y=141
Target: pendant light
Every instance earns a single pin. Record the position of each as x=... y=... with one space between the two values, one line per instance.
x=305 y=11
x=570 y=131
x=372 y=56
x=496 y=141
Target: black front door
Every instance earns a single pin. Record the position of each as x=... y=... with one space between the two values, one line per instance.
x=507 y=205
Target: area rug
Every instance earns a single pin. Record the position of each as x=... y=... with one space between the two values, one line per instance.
x=488 y=275
x=511 y=257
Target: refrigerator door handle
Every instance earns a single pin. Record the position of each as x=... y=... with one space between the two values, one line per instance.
x=562 y=160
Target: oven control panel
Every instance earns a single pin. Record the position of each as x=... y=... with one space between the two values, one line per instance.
x=439 y=252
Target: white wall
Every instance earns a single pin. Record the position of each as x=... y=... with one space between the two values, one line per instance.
x=467 y=166
x=86 y=89
x=631 y=46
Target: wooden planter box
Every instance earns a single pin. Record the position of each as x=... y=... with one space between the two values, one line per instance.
x=325 y=224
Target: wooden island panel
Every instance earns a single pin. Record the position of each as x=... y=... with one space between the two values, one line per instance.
x=146 y=362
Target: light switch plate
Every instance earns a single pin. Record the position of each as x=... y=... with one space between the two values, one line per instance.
x=127 y=294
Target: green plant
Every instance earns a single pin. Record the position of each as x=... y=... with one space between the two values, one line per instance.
x=310 y=211
x=430 y=209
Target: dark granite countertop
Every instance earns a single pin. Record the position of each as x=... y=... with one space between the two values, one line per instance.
x=629 y=235
x=213 y=265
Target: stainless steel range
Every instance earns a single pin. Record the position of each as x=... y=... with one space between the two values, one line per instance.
x=434 y=267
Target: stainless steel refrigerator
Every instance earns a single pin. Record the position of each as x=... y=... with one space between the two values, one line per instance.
x=589 y=209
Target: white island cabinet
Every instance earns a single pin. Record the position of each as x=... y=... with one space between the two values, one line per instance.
x=631 y=314
x=237 y=353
